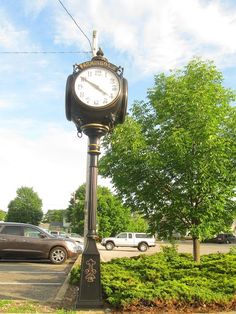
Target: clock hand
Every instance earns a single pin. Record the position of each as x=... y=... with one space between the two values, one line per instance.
x=94 y=85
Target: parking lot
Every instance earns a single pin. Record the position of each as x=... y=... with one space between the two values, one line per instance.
x=32 y=280
x=42 y=281
x=183 y=247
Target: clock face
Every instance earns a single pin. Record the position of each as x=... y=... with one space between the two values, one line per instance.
x=97 y=86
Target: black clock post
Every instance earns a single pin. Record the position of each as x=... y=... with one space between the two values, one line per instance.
x=96 y=100
x=90 y=292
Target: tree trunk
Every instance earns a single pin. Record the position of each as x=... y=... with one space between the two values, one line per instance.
x=196 y=250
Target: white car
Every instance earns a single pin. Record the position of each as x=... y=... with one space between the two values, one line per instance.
x=76 y=237
x=59 y=234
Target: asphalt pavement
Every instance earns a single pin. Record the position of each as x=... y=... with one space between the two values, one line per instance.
x=185 y=246
x=37 y=281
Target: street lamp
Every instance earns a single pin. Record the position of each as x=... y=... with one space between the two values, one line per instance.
x=96 y=100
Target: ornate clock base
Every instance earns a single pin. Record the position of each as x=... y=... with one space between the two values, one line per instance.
x=90 y=291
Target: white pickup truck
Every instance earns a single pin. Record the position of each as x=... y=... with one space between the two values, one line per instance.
x=142 y=241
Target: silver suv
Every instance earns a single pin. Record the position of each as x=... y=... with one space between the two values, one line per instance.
x=19 y=240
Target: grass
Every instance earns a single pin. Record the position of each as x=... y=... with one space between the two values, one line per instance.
x=17 y=306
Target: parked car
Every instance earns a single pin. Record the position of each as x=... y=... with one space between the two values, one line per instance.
x=19 y=240
x=223 y=238
x=61 y=234
x=74 y=236
x=142 y=241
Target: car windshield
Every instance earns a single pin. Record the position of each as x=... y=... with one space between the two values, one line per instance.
x=45 y=231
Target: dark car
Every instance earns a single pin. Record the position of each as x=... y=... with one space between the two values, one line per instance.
x=19 y=240
x=226 y=238
x=223 y=238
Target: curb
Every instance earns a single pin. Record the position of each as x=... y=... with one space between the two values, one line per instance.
x=62 y=291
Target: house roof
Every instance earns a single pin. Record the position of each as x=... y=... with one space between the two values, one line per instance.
x=56 y=224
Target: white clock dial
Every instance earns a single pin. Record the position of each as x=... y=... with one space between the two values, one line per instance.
x=97 y=86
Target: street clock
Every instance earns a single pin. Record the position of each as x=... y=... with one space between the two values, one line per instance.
x=96 y=100
x=96 y=92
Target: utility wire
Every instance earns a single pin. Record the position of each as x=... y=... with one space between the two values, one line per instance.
x=76 y=24
x=55 y=52
x=45 y=52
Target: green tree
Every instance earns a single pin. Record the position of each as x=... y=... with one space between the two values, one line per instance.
x=75 y=210
x=26 y=207
x=112 y=216
x=137 y=223
x=2 y=215
x=54 y=215
x=175 y=157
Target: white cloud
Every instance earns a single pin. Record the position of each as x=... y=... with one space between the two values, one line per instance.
x=53 y=164
x=34 y=8
x=210 y=24
x=4 y=103
x=12 y=37
x=155 y=34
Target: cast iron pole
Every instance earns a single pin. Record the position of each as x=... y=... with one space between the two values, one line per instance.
x=90 y=290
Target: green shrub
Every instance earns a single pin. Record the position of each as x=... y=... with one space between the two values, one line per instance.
x=170 y=251
x=168 y=277
x=232 y=250
x=75 y=276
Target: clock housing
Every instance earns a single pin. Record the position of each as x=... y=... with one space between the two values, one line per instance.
x=96 y=93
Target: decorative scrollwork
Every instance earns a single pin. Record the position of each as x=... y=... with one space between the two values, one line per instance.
x=90 y=271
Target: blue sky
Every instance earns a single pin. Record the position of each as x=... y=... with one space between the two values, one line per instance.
x=39 y=147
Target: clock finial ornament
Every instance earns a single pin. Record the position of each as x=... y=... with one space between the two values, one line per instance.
x=100 y=52
x=100 y=55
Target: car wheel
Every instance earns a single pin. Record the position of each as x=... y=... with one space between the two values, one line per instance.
x=109 y=246
x=58 y=255
x=142 y=247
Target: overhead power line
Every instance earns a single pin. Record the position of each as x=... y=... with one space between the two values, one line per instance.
x=56 y=52
x=76 y=24
x=45 y=52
